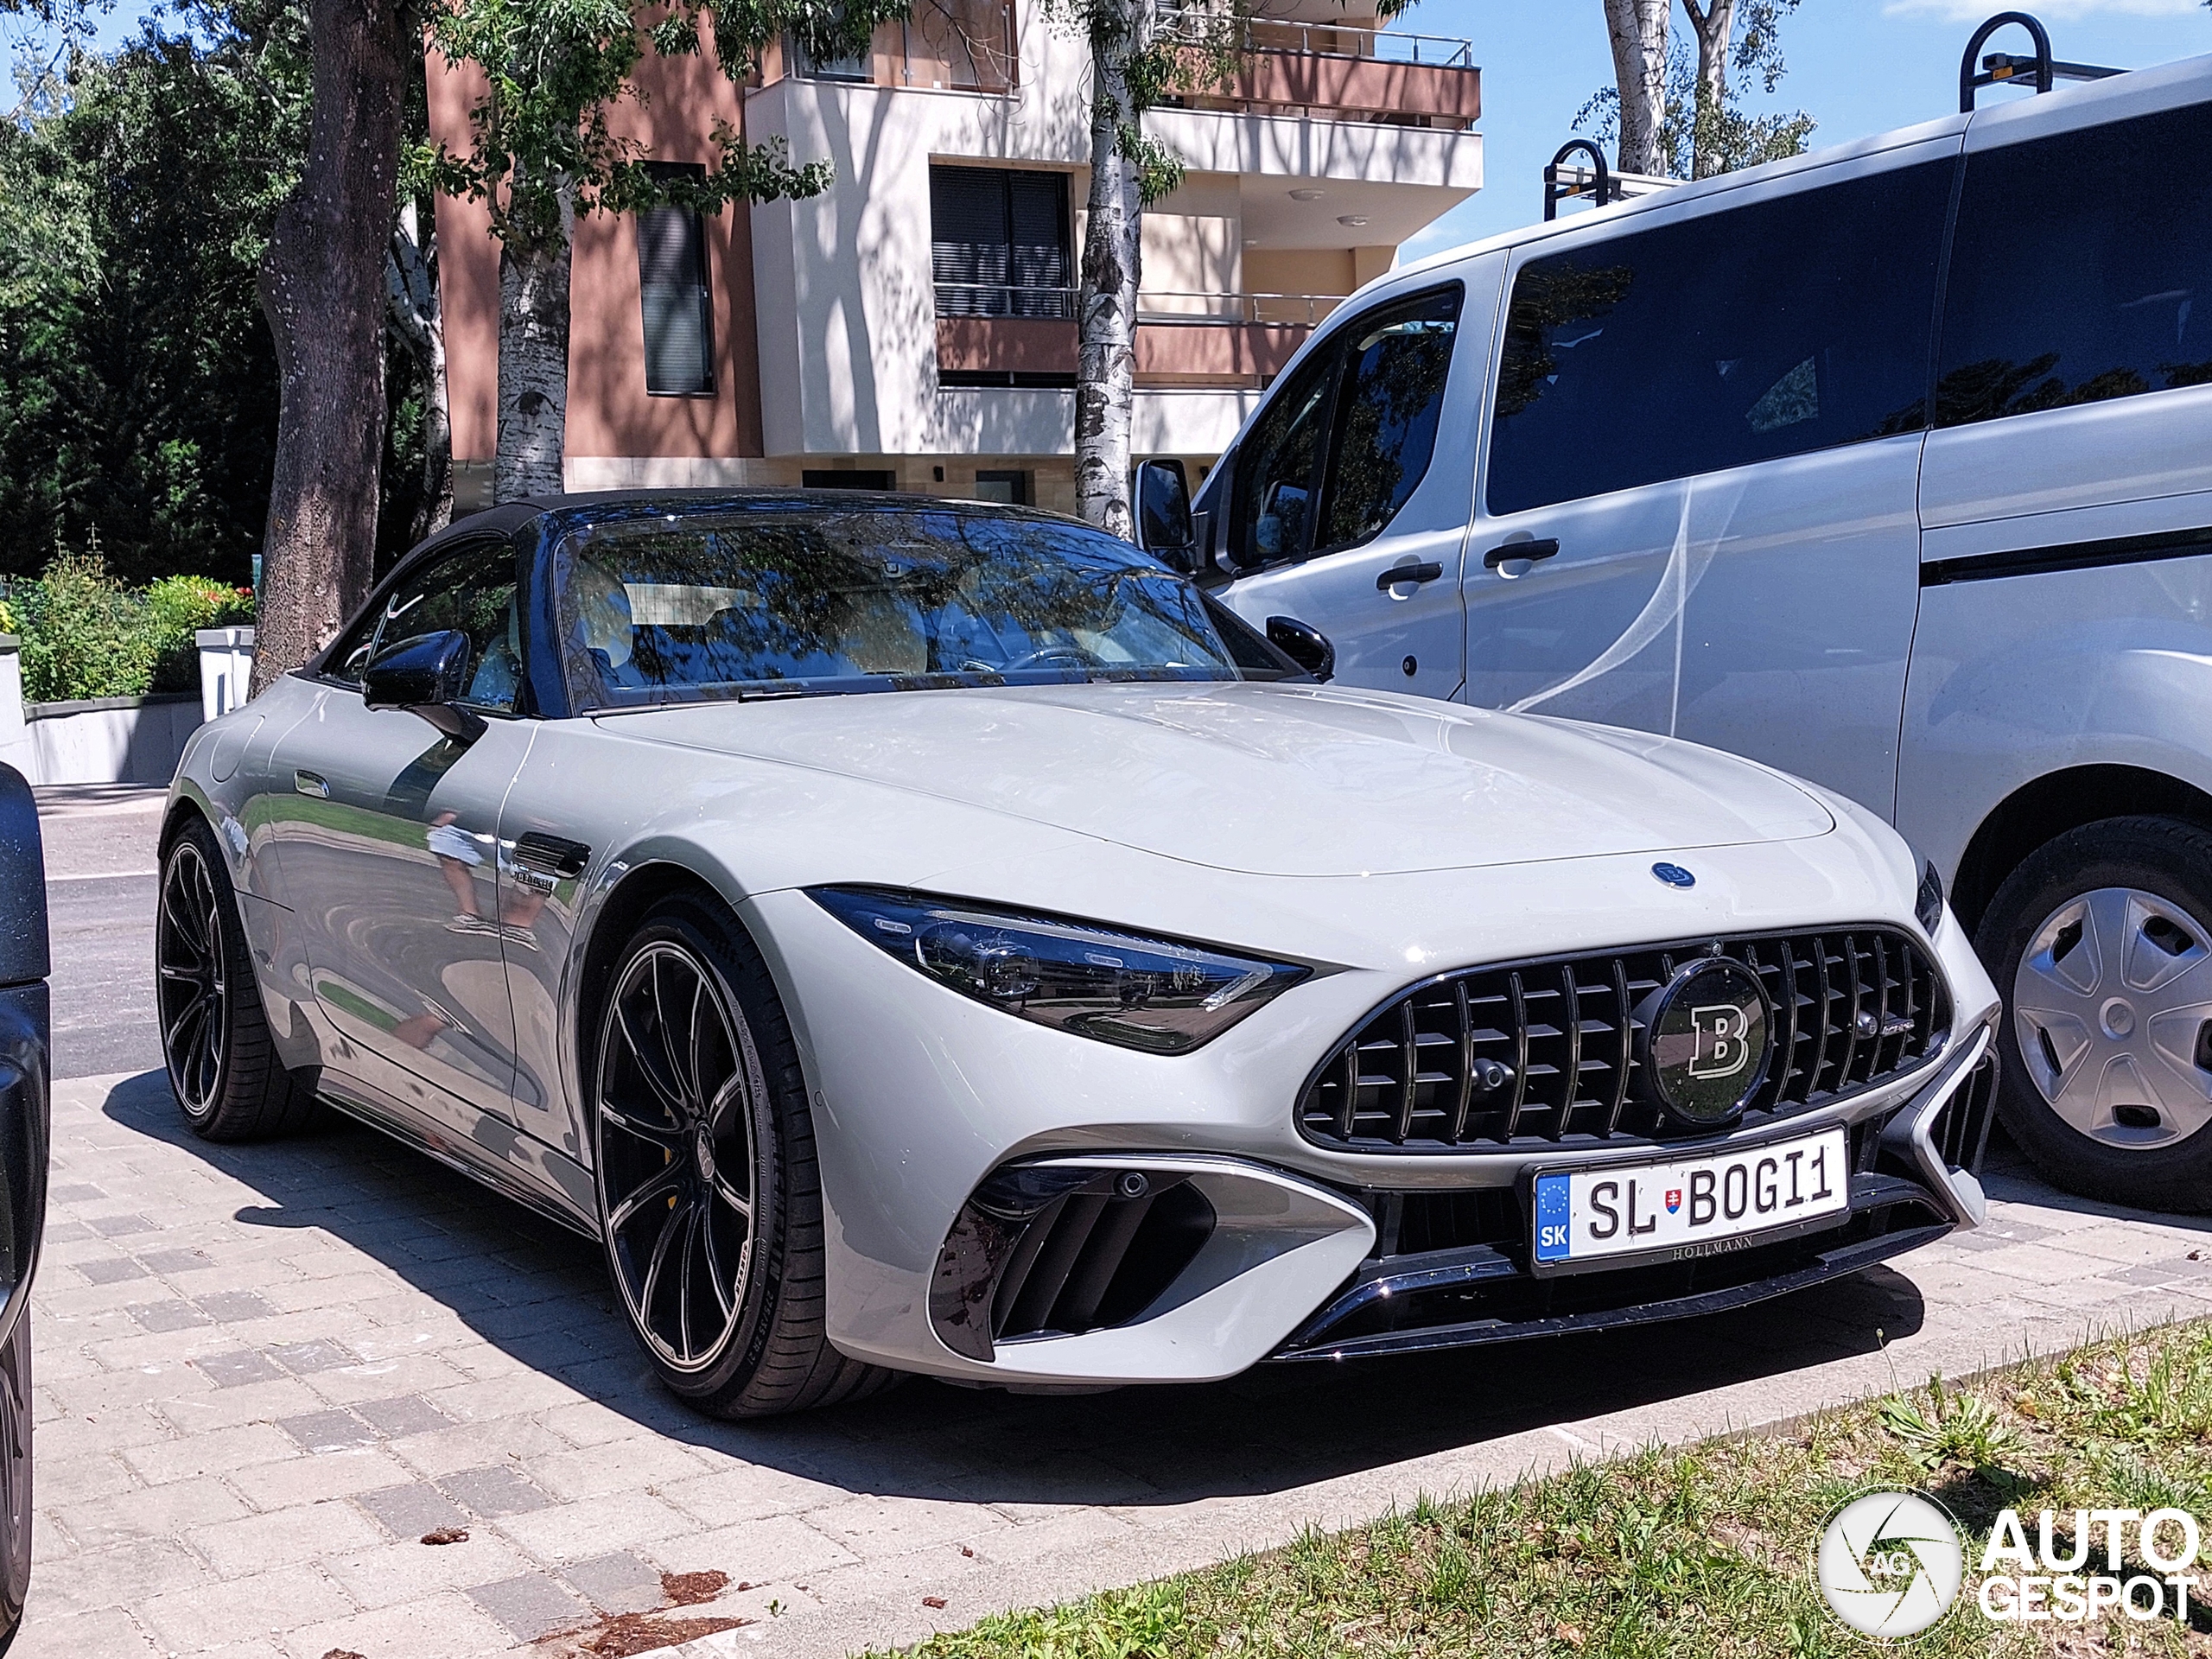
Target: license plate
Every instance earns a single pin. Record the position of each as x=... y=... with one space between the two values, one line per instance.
x=1692 y=1207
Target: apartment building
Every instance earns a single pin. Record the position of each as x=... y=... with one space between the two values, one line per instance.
x=914 y=326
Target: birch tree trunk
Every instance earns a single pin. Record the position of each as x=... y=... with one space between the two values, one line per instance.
x=1639 y=32
x=1107 y=299
x=321 y=286
x=1712 y=26
x=533 y=364
x=413 y=291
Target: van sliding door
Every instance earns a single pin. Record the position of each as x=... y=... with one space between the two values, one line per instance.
x=1705 y=435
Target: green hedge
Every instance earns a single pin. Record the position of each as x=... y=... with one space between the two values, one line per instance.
x=86 y=635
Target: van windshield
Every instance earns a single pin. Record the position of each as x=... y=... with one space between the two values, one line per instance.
x=789 y=601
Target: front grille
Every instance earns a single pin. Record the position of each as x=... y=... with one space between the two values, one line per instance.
x=1545 y=1052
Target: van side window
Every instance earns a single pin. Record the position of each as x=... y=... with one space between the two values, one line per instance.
x=1788 y=325
x=1388 y=402
x=1343 y=443
x=1276 y=485
x=2074 y=269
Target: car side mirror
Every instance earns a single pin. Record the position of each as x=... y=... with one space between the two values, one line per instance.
x=1162 y=494
x=1305 y=645
x=427 y=676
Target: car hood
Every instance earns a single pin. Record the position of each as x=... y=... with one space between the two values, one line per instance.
x=1268 y=780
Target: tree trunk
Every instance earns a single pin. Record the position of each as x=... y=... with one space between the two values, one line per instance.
x=1638 y=31
x=415 y=316
x=1107 y=301
x=437 y=442
x=321 y=286
x=1712 y=27
x=533 y=366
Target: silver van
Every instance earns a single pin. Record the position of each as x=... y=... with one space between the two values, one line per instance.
x=1891 y=466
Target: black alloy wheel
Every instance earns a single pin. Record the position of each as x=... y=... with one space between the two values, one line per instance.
x=193 y=995
x=709 y=1197
x=223 y=1065
x=679 y=1084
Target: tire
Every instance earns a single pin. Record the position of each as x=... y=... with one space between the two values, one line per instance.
x=222 y=1062
x=694 y=1077
x=2101 y=943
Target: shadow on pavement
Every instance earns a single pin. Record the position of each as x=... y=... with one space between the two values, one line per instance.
x=541 y=1294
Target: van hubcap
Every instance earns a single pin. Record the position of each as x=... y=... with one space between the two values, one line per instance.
x=2112 y=1008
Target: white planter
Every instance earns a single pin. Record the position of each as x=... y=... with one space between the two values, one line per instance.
x=225 y=669
x=104 y=740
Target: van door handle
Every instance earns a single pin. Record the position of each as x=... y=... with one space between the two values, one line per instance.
x=1529 y=550
x=1398 y=574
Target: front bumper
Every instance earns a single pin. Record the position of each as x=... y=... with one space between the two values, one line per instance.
x=1903 y=1194
x=926 y=1103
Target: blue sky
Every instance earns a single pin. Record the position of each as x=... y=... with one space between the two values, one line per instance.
x=1857 y=67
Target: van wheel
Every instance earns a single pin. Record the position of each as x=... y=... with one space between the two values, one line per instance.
x=2102 y=944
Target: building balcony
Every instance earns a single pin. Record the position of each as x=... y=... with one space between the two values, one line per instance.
x=1338 y=71
x=966 y=46
x=1025 y=337
x=1324 y=70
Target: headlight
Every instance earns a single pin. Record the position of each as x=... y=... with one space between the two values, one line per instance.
x=1927 y=903
x=1156 y=995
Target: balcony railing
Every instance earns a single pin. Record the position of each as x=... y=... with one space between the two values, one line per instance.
x=1167 y=307
x=1005 y=299
x=1328 y=39
x=1179 y=306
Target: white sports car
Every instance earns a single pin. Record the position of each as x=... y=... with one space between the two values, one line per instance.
x=923 y=937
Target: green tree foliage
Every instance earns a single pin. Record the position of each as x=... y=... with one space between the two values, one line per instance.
x=1706 y=129
x=86 y=634
x=556 y=68
x=137 y=386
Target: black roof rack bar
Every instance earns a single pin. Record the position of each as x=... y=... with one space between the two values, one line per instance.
x=1599 y=188
x=2002 y=68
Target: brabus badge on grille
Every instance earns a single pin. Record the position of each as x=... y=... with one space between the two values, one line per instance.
x=1674 y=875
x=1704 y=1041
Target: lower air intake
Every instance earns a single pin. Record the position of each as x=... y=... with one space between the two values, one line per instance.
x=1045 y=1251
x=1961 y=1131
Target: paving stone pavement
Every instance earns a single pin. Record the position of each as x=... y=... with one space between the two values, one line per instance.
x=264 y=1372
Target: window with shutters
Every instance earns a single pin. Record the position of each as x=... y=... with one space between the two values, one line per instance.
x=673 y=296
x=999 y=243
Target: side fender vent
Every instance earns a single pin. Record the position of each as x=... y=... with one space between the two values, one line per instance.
x=1052 y=1252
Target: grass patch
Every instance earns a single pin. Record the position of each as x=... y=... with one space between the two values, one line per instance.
x=1700 y=1550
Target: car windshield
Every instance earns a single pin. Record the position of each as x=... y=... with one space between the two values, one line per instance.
x=787 y=601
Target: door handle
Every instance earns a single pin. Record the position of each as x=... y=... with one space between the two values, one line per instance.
x=1529 y=550
x=1401 y=574
x=311 y=783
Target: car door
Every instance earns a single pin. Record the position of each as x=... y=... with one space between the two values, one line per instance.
x=388 y=842
x=1348 y=495
x=2066 y=617
x=25 y=1137
x=1697 y=513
